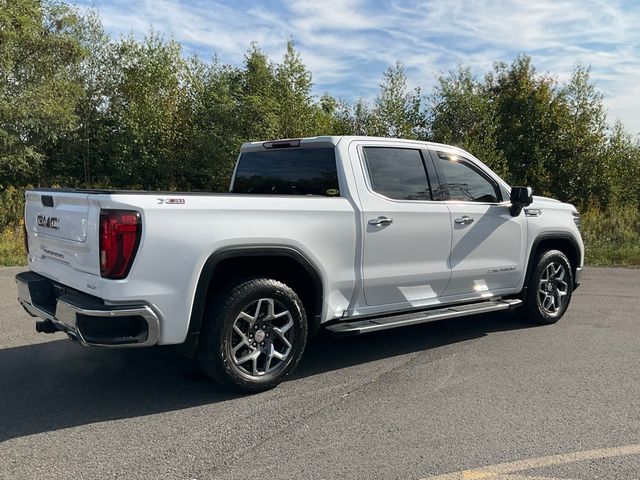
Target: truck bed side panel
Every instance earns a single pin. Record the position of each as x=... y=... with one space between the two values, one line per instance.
x=178 y=238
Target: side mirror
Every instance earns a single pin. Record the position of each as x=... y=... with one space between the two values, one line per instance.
x=520 y=197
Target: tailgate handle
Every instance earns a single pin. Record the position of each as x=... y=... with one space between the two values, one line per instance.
x=47 y=200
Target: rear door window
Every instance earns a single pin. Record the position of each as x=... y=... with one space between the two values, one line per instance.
x=397 y=173
x=296 y=171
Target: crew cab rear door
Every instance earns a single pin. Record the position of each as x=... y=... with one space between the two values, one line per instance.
x=406 y=235
x=487 y=247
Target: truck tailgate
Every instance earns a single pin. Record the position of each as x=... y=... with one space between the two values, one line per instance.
x=62 y=229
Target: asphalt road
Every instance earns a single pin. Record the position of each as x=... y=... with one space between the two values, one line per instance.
x=486 y=393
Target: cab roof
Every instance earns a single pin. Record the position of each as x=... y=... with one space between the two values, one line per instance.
x=328 y=141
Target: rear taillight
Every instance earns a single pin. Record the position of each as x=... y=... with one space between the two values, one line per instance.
x=120 y=232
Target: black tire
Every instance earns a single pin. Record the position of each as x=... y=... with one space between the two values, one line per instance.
x=219 y=338
x=541 y=307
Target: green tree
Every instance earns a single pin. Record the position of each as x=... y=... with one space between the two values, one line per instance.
x=79 y=156
x=332 y=117
x=361 y=119
x=39 y=50
x=209 y=125
x=623 y=155
x=582 y=170
x=258 y=109
x=293 y=94
x=462 y=112
x=143 y=110
x=530 y=110
x=397 y=110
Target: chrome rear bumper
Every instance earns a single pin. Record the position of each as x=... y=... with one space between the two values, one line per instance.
x=85 y=318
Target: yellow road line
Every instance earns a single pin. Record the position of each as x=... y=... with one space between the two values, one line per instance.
x=506 y=471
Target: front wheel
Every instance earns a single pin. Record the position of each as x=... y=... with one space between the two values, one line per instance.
x=253 y=336
x=550 y=288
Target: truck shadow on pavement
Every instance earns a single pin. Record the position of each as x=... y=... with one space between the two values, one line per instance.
x=58 y=384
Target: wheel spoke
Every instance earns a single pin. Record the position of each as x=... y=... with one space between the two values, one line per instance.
x=277 y=354
x=246 y=317
x=244 y=341
x=282 y=337
x=254 y=364
x=548 y=302
x=267 y=365
x=235 y=349
x=281 y=331
x=281 y=314
x=564 y=288
x=285 y=328
x=239 y=332
x=270 y=308
x=249 y=356
x=557 y=298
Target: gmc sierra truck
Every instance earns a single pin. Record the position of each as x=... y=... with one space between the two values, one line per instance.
x=348 y=234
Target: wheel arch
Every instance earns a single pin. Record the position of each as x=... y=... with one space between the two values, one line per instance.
x=562 y=241
x=282 y=263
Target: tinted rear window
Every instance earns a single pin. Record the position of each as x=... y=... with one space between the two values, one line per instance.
x=298 y=171
x=397 y=173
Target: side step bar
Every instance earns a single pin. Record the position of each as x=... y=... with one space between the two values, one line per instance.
x=356 y=327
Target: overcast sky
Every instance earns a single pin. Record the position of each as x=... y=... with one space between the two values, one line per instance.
x=348 y=44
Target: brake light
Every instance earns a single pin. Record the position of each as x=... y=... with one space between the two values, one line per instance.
x=282 y=144
x=120 y=232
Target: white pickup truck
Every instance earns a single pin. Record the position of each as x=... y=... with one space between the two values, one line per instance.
x=349 y=234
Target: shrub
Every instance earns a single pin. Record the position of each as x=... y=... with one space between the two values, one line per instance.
x=612 y=235
x=12 y=246
x=11 y=207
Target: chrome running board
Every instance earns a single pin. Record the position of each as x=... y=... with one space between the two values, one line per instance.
x=356 y=327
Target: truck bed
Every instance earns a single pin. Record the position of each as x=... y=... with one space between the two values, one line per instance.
x=177 y=238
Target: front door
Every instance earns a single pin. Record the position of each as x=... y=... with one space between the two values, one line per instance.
x=487 y=246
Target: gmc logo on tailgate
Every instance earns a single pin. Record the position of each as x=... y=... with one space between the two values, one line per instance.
x=48 y=222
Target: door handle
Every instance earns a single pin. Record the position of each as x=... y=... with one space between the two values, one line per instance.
x=380 y=221
x=465 y=220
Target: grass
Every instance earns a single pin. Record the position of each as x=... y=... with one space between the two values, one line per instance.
x=611 y=237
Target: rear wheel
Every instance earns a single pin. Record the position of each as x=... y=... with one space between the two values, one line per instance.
x=550 y=288
x=253 y=336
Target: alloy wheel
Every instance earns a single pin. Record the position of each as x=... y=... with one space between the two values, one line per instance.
x=261 y=338
x=553 y=288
